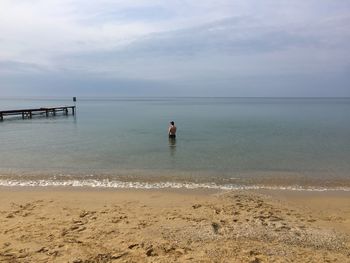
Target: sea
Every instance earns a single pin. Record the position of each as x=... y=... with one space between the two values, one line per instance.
x=221 y=143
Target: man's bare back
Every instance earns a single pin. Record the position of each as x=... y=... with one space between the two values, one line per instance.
x=172 y=130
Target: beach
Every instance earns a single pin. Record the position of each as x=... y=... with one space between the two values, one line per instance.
x=58 y=224
x=174 y=131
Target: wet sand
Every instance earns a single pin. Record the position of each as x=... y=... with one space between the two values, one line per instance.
x=90 y=225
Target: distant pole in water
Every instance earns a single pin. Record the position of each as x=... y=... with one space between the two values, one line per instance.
x=75 y=106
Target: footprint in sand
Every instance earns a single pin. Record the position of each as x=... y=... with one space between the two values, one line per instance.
x=196 y=206
x=85 y=213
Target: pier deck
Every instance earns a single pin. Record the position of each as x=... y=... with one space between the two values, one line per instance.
x=28 y=113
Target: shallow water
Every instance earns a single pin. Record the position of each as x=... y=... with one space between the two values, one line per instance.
x=226 y=141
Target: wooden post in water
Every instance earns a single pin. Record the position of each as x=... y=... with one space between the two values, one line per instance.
x=1 y=117
x=73 y=108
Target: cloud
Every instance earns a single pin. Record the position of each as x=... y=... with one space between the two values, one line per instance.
x=8 y=67
x=236 y=45
x=169 y=43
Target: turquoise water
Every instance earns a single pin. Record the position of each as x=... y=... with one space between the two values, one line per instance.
x=242 y=141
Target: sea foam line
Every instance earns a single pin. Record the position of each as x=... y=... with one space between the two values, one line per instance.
x=160 y=185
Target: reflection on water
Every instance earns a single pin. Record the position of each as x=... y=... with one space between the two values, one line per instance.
x=172 y=146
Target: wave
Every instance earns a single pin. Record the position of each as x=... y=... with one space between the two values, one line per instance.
x=158 y=185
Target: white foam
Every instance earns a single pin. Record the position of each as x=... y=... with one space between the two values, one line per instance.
x=160 y=185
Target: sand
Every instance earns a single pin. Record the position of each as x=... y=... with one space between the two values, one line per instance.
x=89 y=225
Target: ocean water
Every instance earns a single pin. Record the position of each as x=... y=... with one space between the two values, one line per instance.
x=299 y=143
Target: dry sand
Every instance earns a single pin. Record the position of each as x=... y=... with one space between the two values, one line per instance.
x=62 y=225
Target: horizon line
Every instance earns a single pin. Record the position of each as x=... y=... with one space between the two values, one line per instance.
x=173 y=97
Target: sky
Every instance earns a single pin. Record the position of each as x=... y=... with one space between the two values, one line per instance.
x=239 y=48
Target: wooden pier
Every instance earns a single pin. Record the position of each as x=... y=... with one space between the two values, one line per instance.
x=28 y=113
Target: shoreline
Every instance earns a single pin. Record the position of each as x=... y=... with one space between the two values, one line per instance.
x=168 y=225
x=106 y=184
x=157 y=179
x=278 y=192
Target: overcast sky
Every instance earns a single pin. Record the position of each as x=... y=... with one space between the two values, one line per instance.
x=174 y=48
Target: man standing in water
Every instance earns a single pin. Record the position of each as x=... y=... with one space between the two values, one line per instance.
x=172 y=130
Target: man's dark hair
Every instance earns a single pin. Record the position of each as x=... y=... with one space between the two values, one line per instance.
x=172 y=123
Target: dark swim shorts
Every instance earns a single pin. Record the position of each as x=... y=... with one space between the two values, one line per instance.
x=172 y=136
